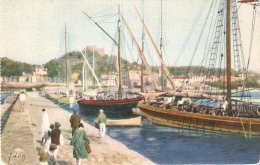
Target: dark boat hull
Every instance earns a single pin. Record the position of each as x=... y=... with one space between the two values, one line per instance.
x=112 y=108
x=188 y=120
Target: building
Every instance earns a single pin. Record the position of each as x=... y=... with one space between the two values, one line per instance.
x=109 y=80
x=131 y=76
x=100 y=51
x=40 y=74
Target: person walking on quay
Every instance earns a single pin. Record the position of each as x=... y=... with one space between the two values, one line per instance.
x=102 y=123
x=74 y=121
x=56 y=139
x=22 y=99
x=47 y=143
x=45 y=126
x=78 y=142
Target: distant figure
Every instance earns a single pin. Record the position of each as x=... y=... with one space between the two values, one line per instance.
x=225 y=104
x=22 y=99
x=74 y=121
x=78 y=142
x=56 y=138
x=46 y=145
x=45 y=126
x=102 y=123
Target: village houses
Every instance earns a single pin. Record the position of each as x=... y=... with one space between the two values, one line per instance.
x=39 y=75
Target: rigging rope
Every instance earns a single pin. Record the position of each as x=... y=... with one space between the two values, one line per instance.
x=251 y=41
x=252 y=35
x=194 y=52
x=190 y=33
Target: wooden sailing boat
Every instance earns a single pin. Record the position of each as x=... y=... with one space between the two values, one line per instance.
x=118 y=105
x=240 y=117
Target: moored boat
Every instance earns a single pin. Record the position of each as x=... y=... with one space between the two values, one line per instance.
x=130 y=122
x=202 y=120
x=112 y=102
x=210 y=112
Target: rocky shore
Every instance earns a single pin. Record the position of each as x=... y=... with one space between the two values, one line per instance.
x=23 y=130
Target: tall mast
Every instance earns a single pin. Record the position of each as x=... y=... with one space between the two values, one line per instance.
x=67 y=79
x=161 y=50
x=157 y=52
x=83 y=77
x=140 y=53
x=93 y=64
x=228 y=54
x=119 y=62
x=142 y=65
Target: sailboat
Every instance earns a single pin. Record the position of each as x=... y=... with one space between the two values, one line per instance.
x=62 y=89
x=114 y=103
x=208 y=112
x=86 y=92
x=69 y=97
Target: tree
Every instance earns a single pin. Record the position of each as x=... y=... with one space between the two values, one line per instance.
x=52 y=68
x=14 y=68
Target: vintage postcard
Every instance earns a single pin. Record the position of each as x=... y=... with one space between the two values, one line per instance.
x=130 y=82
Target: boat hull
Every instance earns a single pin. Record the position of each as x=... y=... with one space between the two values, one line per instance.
x=113 y=108
x=181 y=119
x=131 y=122
x=66 y=100
x=54 y=96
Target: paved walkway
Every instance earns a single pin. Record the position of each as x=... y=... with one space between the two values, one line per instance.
x=26 y=138
x=17 y=140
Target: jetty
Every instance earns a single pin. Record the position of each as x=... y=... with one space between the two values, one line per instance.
x=21 y=136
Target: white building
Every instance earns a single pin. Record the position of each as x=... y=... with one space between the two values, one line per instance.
x=109 y=80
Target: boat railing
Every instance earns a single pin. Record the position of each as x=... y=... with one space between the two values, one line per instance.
x=246 y=110
x=238 y=110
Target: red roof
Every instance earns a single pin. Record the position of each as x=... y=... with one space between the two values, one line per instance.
x=39 y=67
x=133 y=68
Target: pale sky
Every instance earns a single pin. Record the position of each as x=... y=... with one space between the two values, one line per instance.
x=32 y=31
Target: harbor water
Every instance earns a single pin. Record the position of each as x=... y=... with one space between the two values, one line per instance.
x=3 y=97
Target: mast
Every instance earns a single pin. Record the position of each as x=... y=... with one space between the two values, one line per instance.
x=93 y=64
x=158 y=53
x=228 y=54
x=91 y=70
x=140 y=53
x=119 y=62
x=83 y=75
x=67 y=79
x=161 y=50
x=142 y=64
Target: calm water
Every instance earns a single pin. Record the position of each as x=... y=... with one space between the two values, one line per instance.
x=3 y=97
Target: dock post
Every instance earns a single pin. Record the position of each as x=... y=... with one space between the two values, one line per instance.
x=250 y=127
x=243 y=127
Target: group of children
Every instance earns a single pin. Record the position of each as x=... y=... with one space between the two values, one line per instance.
x=51 y=140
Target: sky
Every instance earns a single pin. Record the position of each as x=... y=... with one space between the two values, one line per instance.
x=33 y=31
